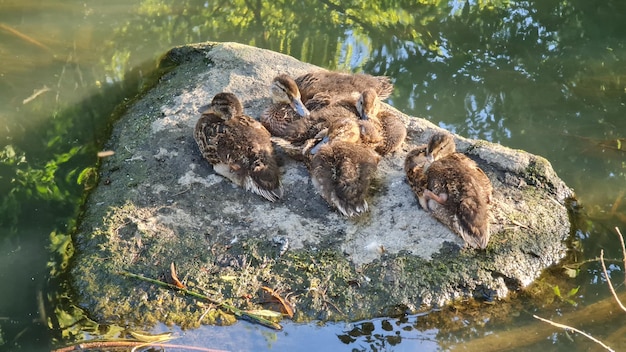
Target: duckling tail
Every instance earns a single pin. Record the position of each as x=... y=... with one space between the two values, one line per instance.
x=264 y=179
x=474 y=222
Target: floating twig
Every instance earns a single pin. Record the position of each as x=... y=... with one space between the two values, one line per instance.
x=576 y=330
x=25 y=37
x=36 y=93
x=236 y=311
x=608 y=280
x=621 y=240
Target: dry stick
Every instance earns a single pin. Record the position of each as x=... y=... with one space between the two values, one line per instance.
x=608 y=280
x=576 y=330
x=531 y=333
x=24 y=37
x=236 y=311
x=528 y=334
x=82 y=346
x=621 y=240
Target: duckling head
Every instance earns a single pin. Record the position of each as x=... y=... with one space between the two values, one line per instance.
x=341 y=130
x=226 y=105
x=368 y=104
x=439 y=146
x=285 y=90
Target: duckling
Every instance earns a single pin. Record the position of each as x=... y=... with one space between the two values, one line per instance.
x=391 y=129
x=341 y=168
x=452 y=188
x=325 y=110
x=342 y=84
x=286 y=105
x=238 y=147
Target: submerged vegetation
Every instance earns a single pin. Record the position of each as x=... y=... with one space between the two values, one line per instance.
x=543 y=76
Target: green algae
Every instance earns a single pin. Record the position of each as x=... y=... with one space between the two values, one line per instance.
x=144 y=217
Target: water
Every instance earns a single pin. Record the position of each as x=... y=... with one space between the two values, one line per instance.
x=543 y=76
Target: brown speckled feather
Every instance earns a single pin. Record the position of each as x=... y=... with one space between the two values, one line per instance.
x=342 y=83
x=286 y=106
x=341 y=173
x=389 y=127
x=319 y=119
x=238 y=147
x=341 y=167
x=452 y=187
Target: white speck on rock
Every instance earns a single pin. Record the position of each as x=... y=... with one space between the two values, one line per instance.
x=163 y=154
x=190 y=177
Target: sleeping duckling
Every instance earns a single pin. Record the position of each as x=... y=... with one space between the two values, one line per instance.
x=286 y=106
x=452 y=188
x=238 y=147
x=389 y=127
x=345 y=84
x=341 y=168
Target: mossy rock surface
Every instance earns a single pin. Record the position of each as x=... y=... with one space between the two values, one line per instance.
x=159 y=202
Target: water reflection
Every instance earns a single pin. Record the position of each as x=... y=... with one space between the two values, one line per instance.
x=545 y=76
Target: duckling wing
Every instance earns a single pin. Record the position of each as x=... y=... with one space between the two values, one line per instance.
x=248 y=151
x=207 y=133
x=393 y=131
x=467 y=203
x=341 y=83
x=342 y=178
x=414 y=169
x=277 y=117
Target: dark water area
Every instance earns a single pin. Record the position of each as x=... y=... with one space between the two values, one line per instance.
x=544 y=76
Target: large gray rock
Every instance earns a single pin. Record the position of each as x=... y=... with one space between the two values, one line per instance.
x=159 y=202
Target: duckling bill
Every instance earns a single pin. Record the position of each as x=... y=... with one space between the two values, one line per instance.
x=452 y=188
x=238 y=147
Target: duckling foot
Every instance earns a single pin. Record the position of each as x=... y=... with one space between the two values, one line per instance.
x=440 y=198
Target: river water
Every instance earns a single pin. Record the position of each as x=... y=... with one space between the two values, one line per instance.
x=544 y=76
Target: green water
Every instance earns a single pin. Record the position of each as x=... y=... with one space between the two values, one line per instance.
x=545 y=76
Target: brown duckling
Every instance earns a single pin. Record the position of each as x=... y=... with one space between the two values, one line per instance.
x=325 y=110
x=238 y=147
x=388 y=126
x=342 y=84
x=341 y=168
x=286 y=105
x=452 y=188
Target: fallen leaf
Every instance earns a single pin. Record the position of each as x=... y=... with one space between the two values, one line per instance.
x=175 y=277
x=105 y=153
x=287 y=308
x=147 y=337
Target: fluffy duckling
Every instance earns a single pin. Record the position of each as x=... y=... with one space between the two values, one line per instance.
x=341 y=168
x=452 y=188
x=338 y=83
x=389 y=127
x=238 y=147
x=286 y=106
x=325 y=110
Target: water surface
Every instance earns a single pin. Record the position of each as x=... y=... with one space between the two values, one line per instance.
x=544 y=76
